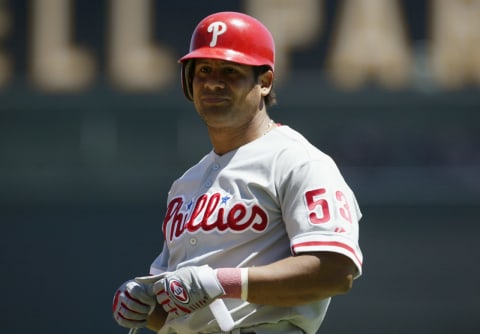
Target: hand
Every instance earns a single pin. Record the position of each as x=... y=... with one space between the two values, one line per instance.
x=187 y=289
x=132 y=305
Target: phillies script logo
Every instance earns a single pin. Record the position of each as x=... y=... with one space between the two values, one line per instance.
x=179 y=292
x=210 y=213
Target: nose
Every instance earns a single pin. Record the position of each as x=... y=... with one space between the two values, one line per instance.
x=214 y=82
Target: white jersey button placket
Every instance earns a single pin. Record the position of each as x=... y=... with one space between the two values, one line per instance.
x=214 y=168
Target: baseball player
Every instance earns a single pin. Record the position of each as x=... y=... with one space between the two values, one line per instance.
x=264 y=226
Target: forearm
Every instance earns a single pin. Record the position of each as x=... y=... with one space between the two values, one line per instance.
x=291 y=281
x=300 y=279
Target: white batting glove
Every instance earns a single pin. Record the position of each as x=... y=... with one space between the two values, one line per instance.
x=132 y=305
x=187 y=289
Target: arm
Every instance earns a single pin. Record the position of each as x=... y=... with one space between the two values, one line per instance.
x=300 y=279
x=291 y=281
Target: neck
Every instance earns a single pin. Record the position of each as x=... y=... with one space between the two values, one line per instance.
x=227 y=139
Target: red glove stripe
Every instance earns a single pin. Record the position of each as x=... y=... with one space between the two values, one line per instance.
x=121 y=316
x=126 y=307
x=115 y=301
x=184 y=309
x=161 y=291
x=138 y=301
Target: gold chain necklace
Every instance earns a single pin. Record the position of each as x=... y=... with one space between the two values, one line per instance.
x=269 y=127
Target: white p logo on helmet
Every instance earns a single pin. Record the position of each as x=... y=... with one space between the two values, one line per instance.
x=216 y=28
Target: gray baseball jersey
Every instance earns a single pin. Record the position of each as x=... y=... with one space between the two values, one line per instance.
x=271 y=198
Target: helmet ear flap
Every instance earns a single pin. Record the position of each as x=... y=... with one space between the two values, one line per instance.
x=187 y=78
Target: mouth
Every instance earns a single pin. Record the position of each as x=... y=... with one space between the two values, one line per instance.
x=214 y=99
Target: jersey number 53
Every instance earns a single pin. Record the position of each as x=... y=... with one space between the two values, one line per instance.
x=319 y=207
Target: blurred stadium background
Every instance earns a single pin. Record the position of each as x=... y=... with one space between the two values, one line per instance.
x=94 y=128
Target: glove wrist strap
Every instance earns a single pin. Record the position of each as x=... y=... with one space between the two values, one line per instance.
x=209 y=281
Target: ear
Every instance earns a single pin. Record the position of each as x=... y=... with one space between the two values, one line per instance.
x=266 y=82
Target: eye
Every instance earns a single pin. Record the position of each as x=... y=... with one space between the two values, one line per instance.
x=204 y=69
x=230 y=70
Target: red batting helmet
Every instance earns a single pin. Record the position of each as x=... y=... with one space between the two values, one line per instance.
x=229 y=36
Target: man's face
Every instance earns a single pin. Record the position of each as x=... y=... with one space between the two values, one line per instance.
x=225 y=94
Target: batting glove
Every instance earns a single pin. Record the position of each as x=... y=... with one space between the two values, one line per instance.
x=187 y=289
x=132 y=305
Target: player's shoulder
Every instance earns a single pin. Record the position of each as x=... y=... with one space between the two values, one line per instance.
x=289 y=136
x=291 y=144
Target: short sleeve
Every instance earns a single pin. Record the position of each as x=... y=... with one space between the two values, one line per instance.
x=320 y=211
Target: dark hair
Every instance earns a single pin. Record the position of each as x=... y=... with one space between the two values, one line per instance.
x=271 y=98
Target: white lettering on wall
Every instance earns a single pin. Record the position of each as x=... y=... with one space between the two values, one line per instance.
x=6 y=66
x=293 y=24
x=370 y=43
x=135 y=62
x=455 y=42
x=57 y=64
